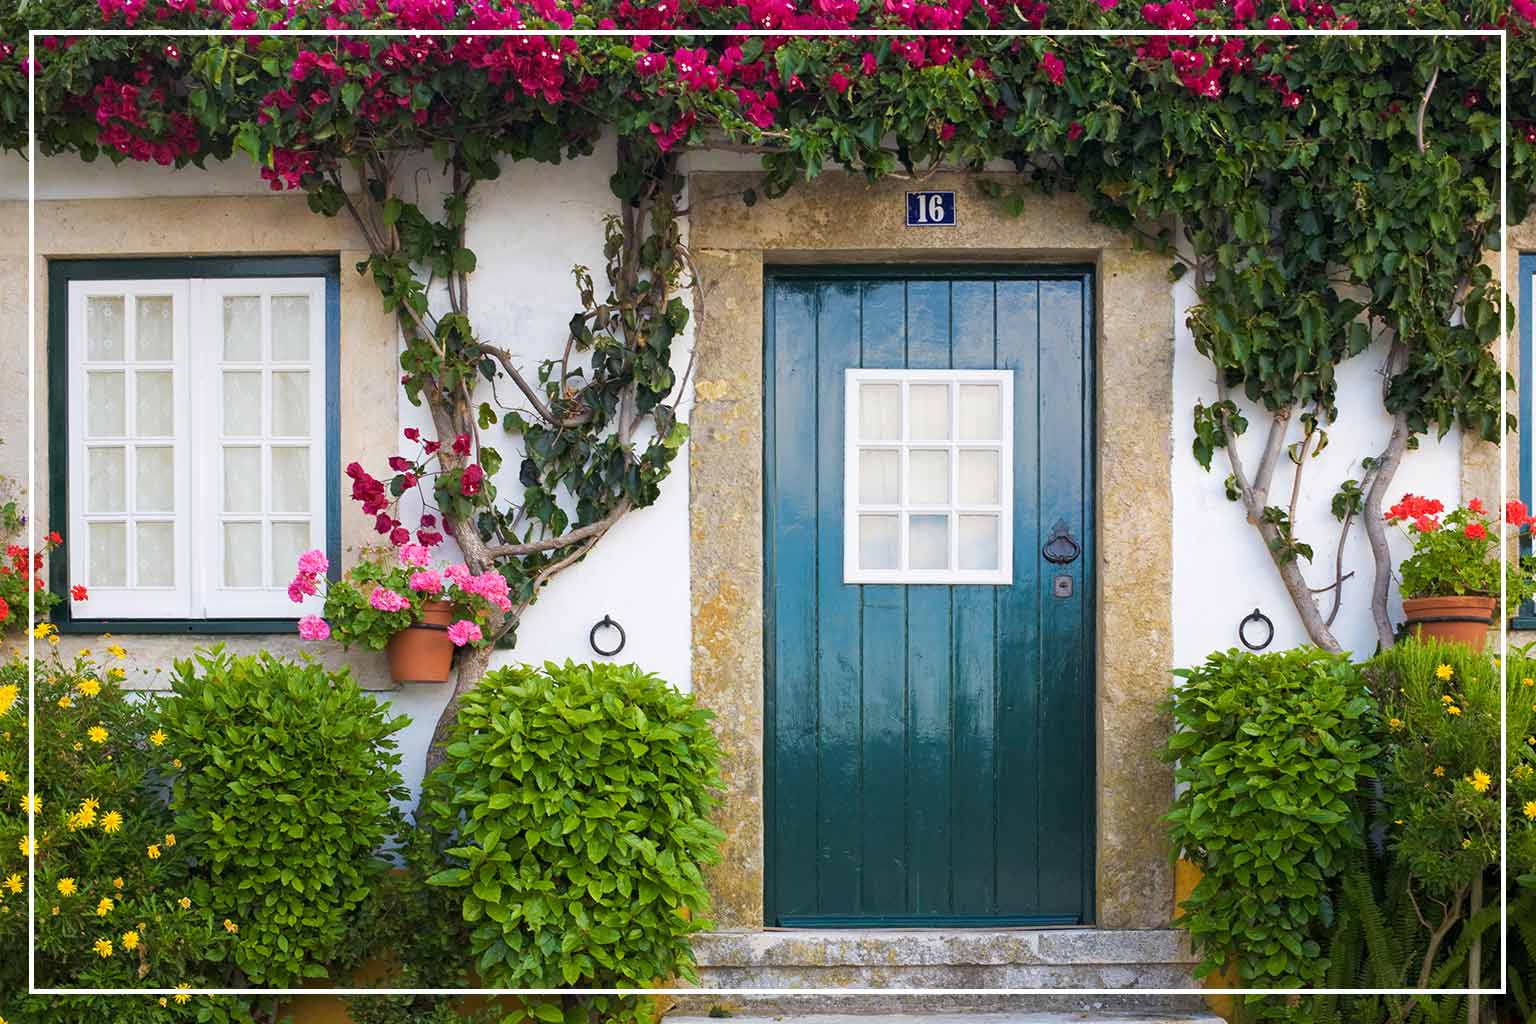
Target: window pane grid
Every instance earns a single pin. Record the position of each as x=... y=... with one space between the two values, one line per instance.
x=273 y=427
x=927 y=490
x=130 y=377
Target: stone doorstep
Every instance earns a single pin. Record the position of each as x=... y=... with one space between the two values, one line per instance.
x=964 y=948
x=1065 y=1017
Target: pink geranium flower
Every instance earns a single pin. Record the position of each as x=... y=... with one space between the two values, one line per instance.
x=313 y=627
x=314 y=563
x=426 y=582
x=415 y=554
x=464 y=632
x=386 y=600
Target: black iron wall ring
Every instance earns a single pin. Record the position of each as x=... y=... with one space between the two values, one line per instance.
x=1242 y=630
x=607 y=623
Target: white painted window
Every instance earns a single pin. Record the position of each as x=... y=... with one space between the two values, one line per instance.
x=196 y=444
x=928 y=476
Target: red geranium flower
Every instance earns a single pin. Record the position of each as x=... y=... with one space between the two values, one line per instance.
x=78 y=592
x=1515 y=513
x=1475 y=531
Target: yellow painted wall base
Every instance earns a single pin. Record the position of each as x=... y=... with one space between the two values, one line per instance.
x=1185 y=877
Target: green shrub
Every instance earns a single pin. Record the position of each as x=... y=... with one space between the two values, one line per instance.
x=1271 y=750
x=115 y=904
x=577 y=799
x=288 y=773
x=1440 y=790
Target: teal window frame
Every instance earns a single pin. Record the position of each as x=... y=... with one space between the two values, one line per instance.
x=1525 y=615
x=63 y=271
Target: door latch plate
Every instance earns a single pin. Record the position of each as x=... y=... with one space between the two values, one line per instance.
x=1062 y=586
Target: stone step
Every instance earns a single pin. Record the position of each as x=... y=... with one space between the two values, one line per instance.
x=1003 y=958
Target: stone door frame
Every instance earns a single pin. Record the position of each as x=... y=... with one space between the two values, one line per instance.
x=841 y=219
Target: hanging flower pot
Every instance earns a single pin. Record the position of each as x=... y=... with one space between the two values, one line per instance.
x=1463 y=619
x=422 y=653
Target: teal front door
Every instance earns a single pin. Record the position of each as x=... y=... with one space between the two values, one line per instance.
x=929 y=597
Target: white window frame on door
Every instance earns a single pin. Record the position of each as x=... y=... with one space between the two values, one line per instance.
x=904 y=508
x=197 y=366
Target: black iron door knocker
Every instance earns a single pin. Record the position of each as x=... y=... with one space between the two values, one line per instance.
x=1265 y=621
x=1061 y=548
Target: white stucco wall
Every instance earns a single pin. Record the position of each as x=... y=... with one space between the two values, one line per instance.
x=533 y=224
x=1221 y=569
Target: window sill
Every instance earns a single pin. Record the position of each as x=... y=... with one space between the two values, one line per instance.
x=177 y=627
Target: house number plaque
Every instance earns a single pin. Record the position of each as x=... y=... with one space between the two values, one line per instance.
x=930 y=209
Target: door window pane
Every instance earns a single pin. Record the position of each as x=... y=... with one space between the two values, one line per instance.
x=928 y=412
x=107 y=486
x=109 y=554
x=156 y=555
x=154 y=339
x=242 y=555
x=978 y=477
x=928 y=542
x=106 y=405
x=980 y=412
x=104 y=334
x=290 y=328
x=978 y=542
x=929 y=479
x=242 y=328
x=878 y=471
x=155 y=480
x=880 y=412
x=154 y=410
x=878 y=542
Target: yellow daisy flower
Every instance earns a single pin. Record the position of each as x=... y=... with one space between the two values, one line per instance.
x=130 y=941
x=182 y=997
x=25 y=845
x=103 y=948
x=116 y=674
x=231 y=927
x=66 y=702
x=111 y=822
x=1480 y=780
x=1452 y=709
x=86 y=816
x=1444 y=672
x=5 y=777
x=104 y=907
x=14 y=883
x=153 y=853
x=96 y=734
x=1530 y=809
x=1394 y=723
x=116 y=651
x=67 y=887
x=90 y=687
x=9 y=694
x=117 y=883
x=185 y=902
x=170 y=840
x=1439 y=772
x=157 y=737
x=32 y=803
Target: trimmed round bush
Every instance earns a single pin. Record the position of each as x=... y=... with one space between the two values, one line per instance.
x=287 y=773
x=576 y=802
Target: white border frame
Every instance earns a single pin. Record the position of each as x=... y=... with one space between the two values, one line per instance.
x=953 y=509
x=31 y=533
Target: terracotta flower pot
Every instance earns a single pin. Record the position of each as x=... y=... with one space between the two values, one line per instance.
x=1458 y=620
x=423 y=653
